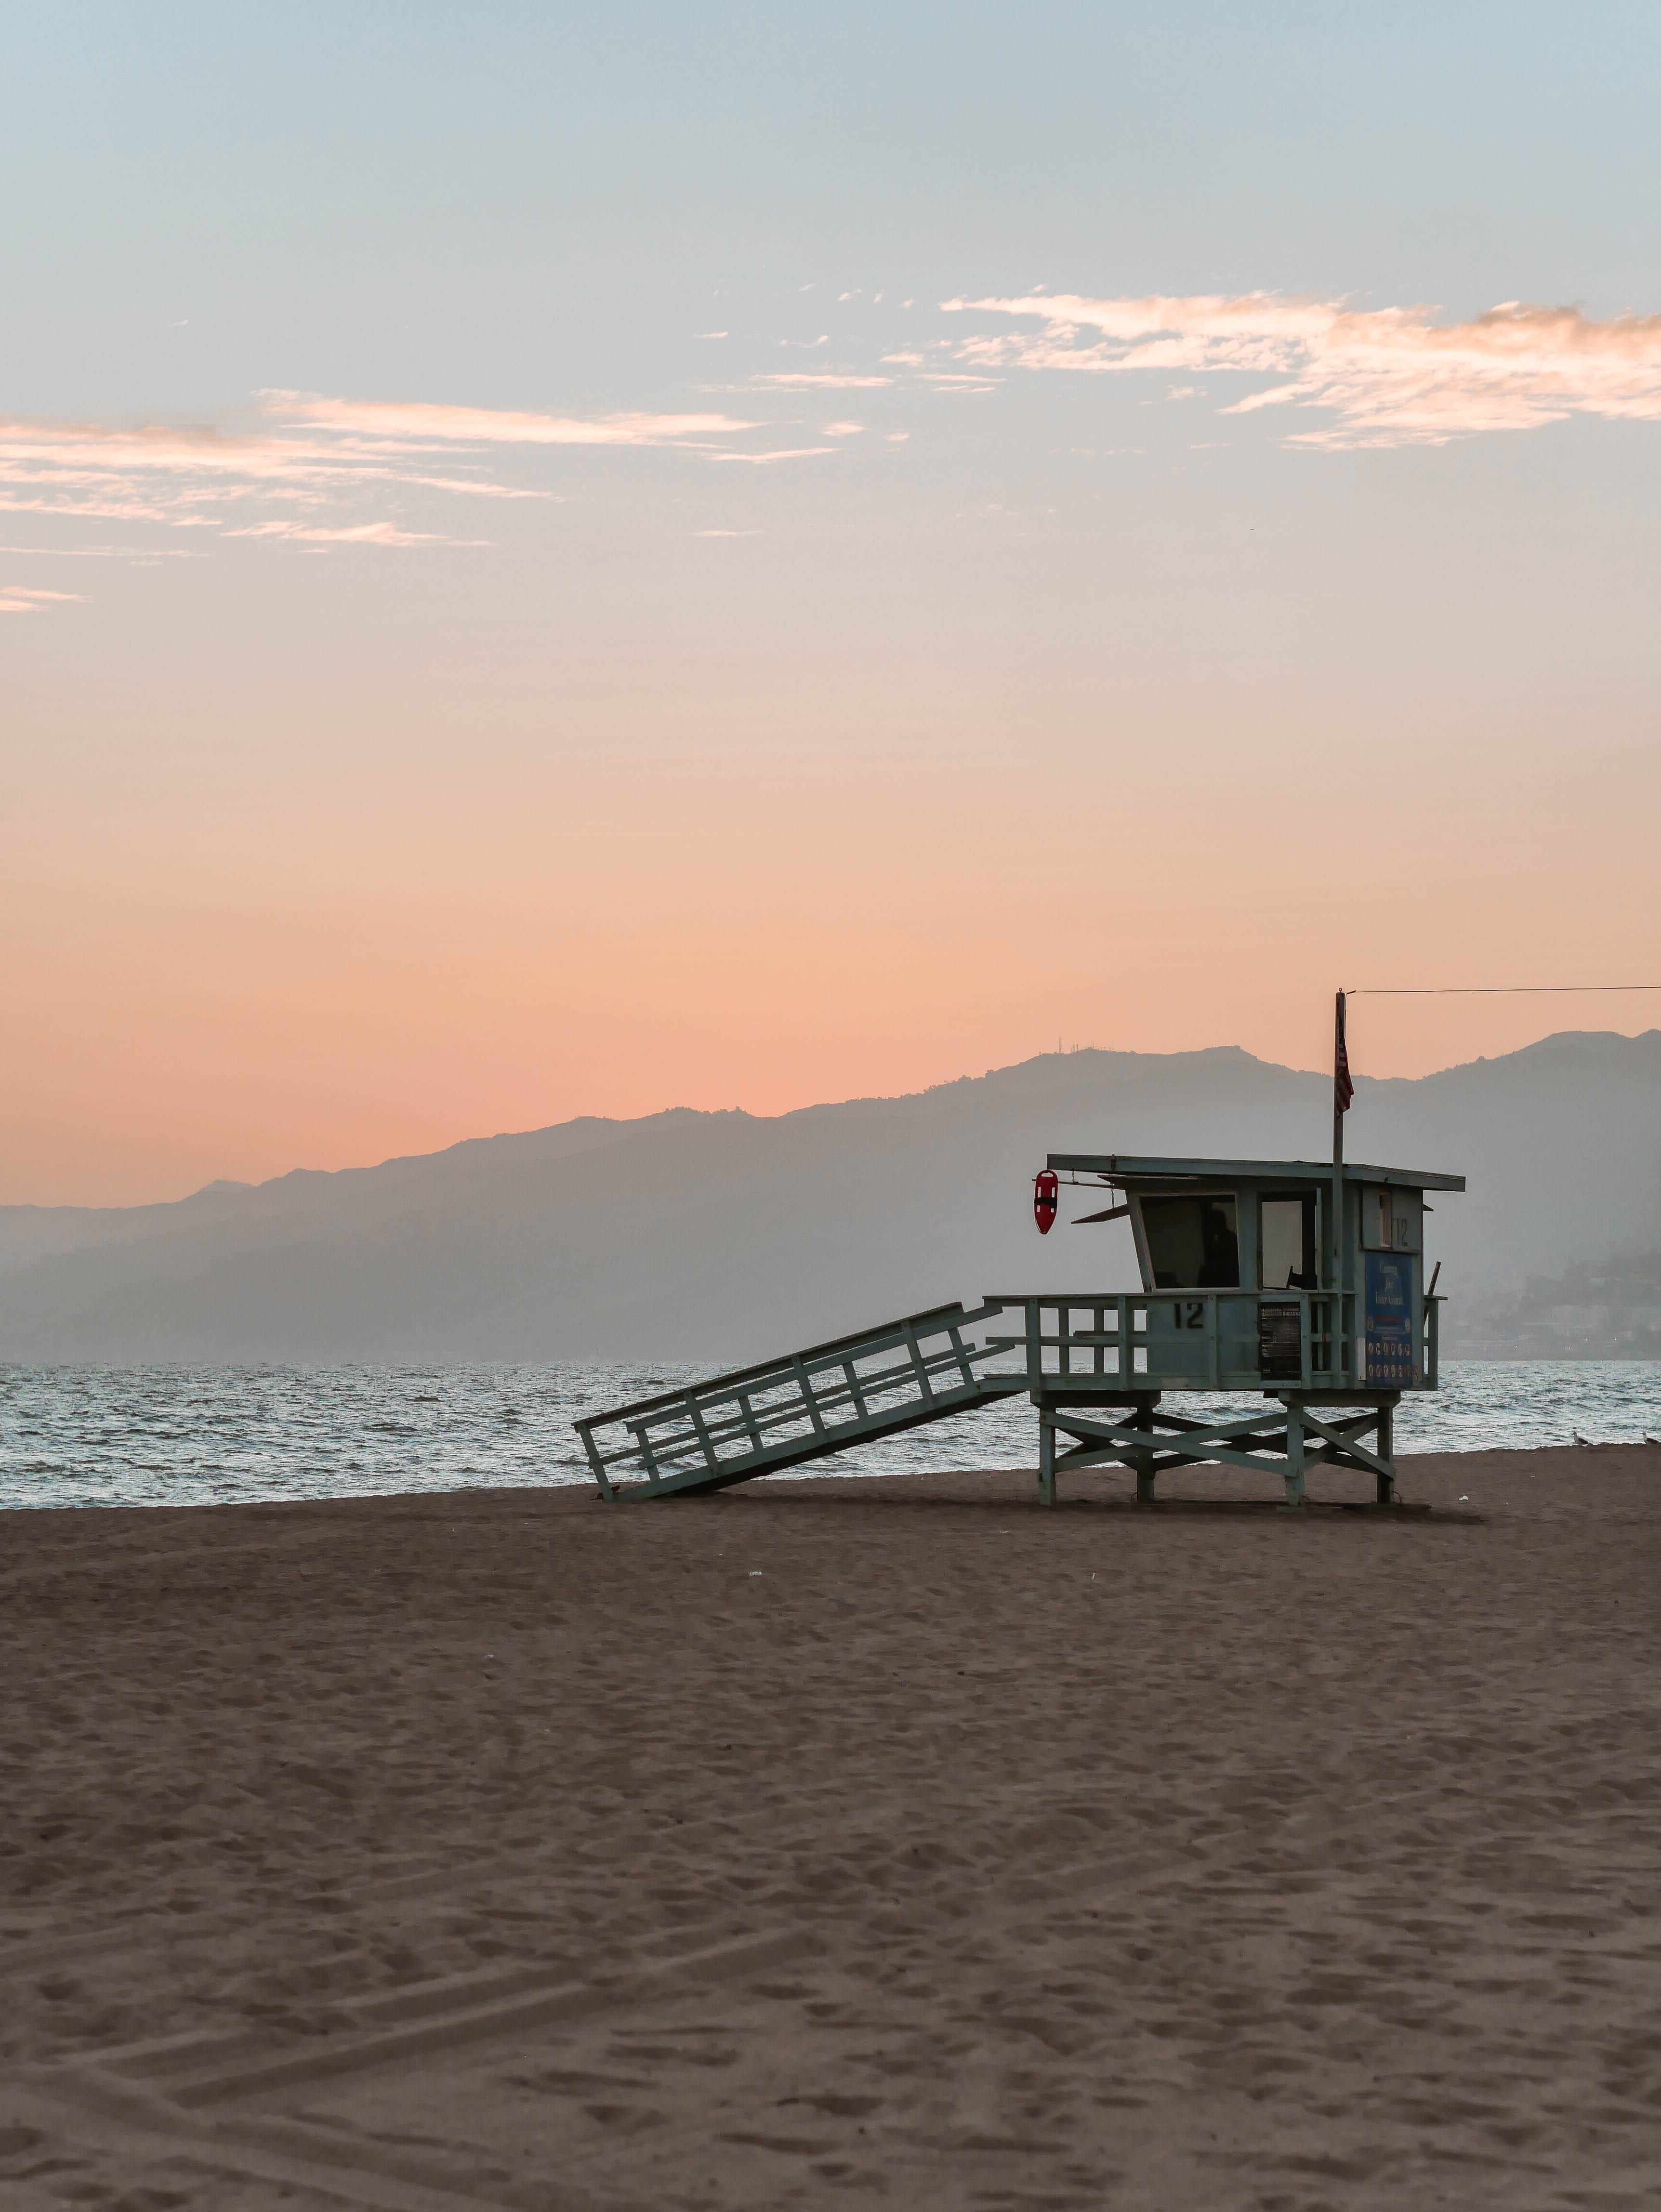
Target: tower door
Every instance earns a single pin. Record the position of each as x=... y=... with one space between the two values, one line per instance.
x=1286 y=1246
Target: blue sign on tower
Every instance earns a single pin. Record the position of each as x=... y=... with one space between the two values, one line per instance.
x=1389 y=1320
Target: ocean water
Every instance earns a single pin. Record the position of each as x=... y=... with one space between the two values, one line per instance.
x=195 y=1436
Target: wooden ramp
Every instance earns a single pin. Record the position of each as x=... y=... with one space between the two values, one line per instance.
x=1095 y=1364
x=759 y=1419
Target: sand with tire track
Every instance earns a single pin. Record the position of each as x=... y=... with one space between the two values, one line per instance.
x=836 y=1842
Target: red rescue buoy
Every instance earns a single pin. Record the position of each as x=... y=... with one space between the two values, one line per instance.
x=1045 y=1186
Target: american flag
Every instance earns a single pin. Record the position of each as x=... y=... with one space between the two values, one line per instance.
x=1344 y=1089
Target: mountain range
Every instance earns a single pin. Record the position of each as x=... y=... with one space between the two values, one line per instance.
x=727 y=1237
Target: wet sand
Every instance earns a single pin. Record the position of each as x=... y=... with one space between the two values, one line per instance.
x=831 y=1843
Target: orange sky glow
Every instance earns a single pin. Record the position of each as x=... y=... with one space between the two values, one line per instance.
x=671 y=569
x=299 y=954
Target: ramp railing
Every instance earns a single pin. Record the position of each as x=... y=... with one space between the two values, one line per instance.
x=758 y=1419
x=1082 y=1348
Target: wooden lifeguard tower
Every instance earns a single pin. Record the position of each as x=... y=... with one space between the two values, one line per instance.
x=1295 y=1278
x=1298 y=1282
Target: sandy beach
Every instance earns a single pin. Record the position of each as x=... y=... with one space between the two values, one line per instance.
x=837 y=1841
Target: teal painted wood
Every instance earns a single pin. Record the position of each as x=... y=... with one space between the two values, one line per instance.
x=784 y=1412
x=1275 y=1442
x=1065 y=1350
x=1094 y=1349
x=1124 y=1167
x=1174 y=1340
x=1344 y=1199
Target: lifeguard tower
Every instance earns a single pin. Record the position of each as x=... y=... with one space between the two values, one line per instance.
x=1289 y=1278
x=1298 y=1283
x=1271 y=1279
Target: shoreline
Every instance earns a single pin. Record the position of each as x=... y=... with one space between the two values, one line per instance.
x=1206 y=1486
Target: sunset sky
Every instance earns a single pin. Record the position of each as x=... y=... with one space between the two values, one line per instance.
x=564 y=561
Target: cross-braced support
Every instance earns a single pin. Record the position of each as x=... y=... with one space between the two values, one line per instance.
x=1288 y=1439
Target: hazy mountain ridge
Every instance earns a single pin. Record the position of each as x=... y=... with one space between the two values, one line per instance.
x=726 y=1236
x=1606 y=1311
x=30 y=1232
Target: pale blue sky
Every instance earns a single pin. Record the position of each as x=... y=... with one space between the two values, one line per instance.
x=503 y=198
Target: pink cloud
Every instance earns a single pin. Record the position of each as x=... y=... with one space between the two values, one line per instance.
x=143 y=554
x=432 y=424
x=314 y=464
x=804 y=382
x=358 y=533
x=792 y=453
x=30 y=599
x=1392 y=376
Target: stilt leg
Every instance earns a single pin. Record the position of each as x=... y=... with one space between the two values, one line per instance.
x=1144 y=1459
x=1294 y=1455
x=1046 y=1457
x=1387 y=1453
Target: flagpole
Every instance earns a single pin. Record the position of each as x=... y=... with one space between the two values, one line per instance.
x=1340 y=1072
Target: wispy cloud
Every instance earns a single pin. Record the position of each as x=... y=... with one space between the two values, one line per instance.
x=805 y=382
x=1390 y=376
x=321 y=471
x=791 y=453
x=392 y=422
x=29 y=599
x=356 y=533
x=142 y=555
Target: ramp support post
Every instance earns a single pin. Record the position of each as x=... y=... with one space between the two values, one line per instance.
x=1046 y=1457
